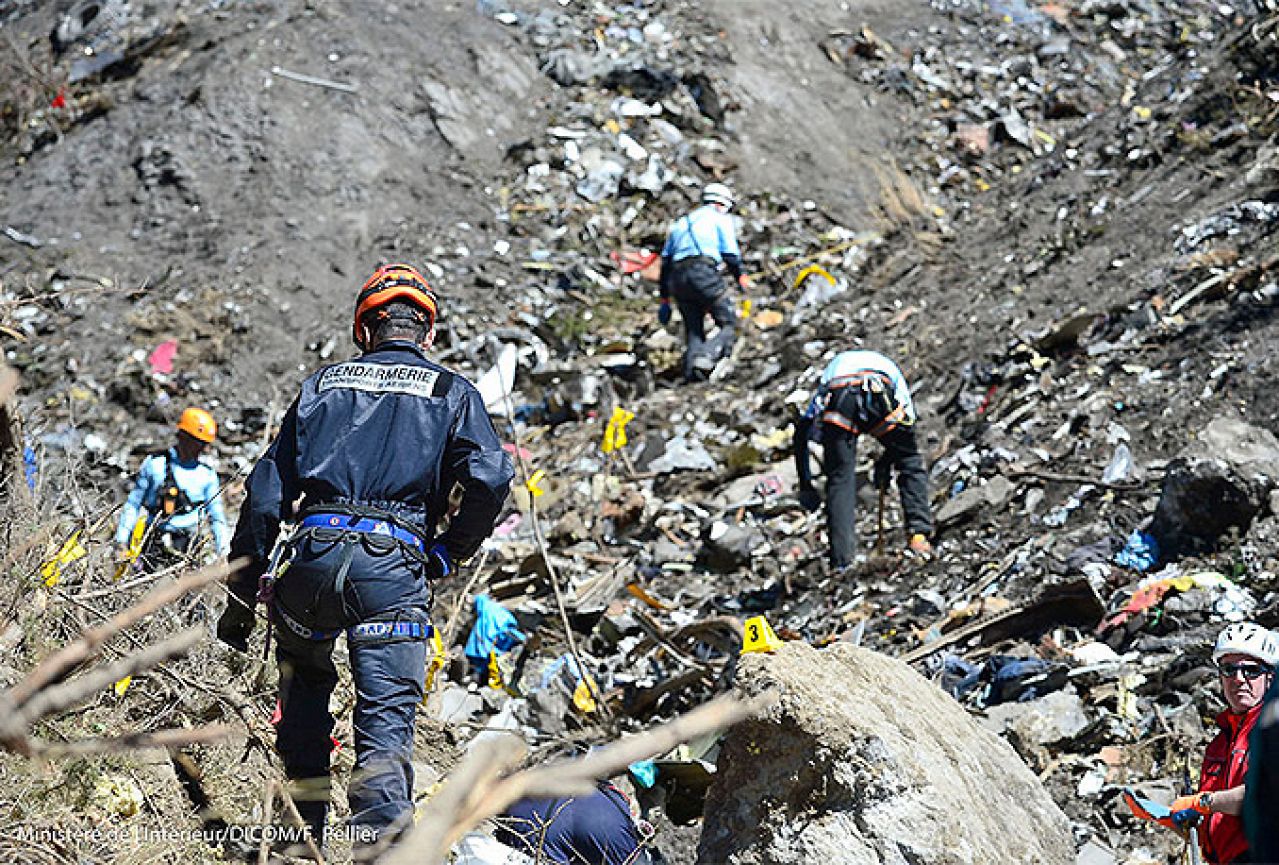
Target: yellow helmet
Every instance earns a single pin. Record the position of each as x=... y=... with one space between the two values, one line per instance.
x=199 y=424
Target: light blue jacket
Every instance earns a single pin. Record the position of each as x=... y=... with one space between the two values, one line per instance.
x=200 y=483
x=848 y=367
x=706 y=232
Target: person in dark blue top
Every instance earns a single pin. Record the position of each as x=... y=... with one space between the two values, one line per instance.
x=587 y=830
x=1261 y=796
x=696 y=246
x=363 y=468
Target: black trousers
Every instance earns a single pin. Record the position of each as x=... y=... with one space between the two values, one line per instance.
x=699 y=289
x=840 y=460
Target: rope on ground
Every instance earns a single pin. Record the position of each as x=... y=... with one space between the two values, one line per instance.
x=551 y=572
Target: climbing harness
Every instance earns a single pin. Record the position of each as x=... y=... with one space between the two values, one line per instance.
x=379 y=533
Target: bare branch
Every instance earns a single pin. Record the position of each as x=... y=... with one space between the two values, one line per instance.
x=291 y=809
x=91 y=640
x=59 y=697
x=8 y=383
x=476 y=792
x=175 y=738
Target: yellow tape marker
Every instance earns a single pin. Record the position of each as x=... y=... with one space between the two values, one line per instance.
x=70 y=551
x=135 y=548
x=582 y=698
x=121 y=686
x=813 y=270
x=534 y=483
x=758 y=636
x=438 y=659
x=615 y=432
x=495 y=673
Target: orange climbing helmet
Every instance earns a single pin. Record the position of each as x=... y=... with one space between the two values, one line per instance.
x=389 y=283
x=199 y=424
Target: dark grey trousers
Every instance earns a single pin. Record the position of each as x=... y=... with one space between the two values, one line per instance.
x=699 y=289
x=840 y=461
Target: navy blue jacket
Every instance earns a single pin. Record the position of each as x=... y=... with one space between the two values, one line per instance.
x=390 y=430
x=588 y=830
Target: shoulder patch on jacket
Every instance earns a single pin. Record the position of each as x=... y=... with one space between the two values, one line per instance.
x=380 y=378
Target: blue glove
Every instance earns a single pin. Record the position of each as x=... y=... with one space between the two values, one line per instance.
x=664 y=312
x=495 y=630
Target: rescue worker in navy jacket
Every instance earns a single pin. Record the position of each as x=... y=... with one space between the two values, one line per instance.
x=696 y=246
x=373 y=447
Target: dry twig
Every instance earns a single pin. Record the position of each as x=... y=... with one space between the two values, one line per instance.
x=477 y=790
x=35 y=698
x=208 y=735
x=551 y=572
x=91 y=640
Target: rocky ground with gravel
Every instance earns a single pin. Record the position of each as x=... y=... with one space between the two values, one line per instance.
x=1060 y=218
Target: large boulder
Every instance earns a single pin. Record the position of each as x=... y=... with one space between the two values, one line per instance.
x=862 y=761
x=1222 y=481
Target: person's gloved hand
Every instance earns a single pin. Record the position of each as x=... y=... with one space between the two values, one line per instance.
x=1193 y=802
x=438 y=563
x=236 y=624
x=664 y=312
x=810 y=498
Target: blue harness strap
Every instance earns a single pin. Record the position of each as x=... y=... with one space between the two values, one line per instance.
x=361 y=632
x=364 y=525
x=390 y=631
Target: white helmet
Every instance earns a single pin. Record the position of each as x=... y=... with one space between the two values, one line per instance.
x=1245 y=638
x=717 y=193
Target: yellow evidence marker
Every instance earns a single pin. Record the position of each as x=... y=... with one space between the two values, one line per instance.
x=758 y=636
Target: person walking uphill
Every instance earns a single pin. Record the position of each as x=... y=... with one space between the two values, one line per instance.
x=862 y=392
x=374 y=447
x=696 y=245
x=178 y=495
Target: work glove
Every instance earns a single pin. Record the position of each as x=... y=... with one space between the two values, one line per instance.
x=1171 y=818
x=810 y=498
x=1189 y=803
x=664 y=312
x=438 y=563
x=236 y=624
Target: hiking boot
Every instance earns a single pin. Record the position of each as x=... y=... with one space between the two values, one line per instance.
x=919 y=545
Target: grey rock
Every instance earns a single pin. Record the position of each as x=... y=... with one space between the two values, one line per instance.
x=968 y=503
x=862 y=761
x=1042 y=722
x=1220 y=482
x=683 y=453
x=457 y=705
x=729 y=547
x=1094 y=853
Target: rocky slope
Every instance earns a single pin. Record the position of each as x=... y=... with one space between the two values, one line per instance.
x=1059 y=217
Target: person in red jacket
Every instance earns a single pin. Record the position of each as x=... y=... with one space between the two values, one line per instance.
x=1245 y=655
